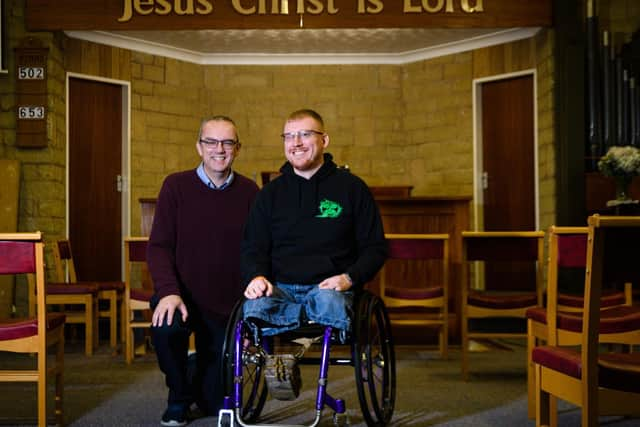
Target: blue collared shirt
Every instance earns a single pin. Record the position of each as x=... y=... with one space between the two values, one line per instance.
x=204 y=178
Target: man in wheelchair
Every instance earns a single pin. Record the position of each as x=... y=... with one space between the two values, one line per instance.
x=313 y=237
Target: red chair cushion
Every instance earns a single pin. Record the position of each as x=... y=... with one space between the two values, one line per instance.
x=11 y=329
x=108 y=286
x=414 y=293
x=415 y=248
x=502 y=300
x=613 y=320
x=560 y=359
x=141 y=294
x=610 y=298
x=71 y=288
x=22 y=256
x=619 y=371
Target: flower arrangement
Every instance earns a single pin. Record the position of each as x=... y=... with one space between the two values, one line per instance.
x=621 y=162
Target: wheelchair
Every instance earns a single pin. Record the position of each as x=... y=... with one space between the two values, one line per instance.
x=245 y=354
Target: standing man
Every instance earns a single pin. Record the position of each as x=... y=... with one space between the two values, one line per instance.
x=193 y=257
x=313 y=236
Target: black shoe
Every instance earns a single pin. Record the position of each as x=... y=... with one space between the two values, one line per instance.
x=175 y=415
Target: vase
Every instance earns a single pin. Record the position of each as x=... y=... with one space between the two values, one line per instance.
x=622 y=187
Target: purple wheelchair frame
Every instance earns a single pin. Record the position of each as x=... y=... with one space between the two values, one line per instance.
x=323 y=398
x=371 y=355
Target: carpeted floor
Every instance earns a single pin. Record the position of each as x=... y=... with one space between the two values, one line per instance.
x=103 y=391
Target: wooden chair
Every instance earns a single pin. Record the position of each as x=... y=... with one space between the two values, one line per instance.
x=504 y=249
x=110 y=292
x=136 y=298
x=79 y=303
x=568 y=255
x=601 y=384
x=428 y=295
x=22 y=253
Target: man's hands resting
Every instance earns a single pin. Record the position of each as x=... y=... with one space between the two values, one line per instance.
x=166 y=309
x=260 y=286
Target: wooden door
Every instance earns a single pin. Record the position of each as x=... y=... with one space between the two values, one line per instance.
x=95 y=167
x=508 y=159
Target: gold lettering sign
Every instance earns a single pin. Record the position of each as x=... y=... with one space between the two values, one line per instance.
x=281 y=7
x=370 y=6
x=165 y=7
x=436 y=6
x=169 y=15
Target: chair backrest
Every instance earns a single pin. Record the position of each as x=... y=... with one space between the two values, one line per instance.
x=612 y=255
x=431 y=251
x=505 y=246
x=63 y=257
x=22 y=253
x=566 y=269
x=135 y=256
x=567 y=250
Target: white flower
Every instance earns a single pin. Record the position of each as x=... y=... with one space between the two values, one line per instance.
x=620 y=161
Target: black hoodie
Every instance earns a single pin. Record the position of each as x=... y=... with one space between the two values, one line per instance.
x=302 y=231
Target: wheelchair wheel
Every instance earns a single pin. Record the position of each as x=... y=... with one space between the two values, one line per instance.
x=374 y=361
x=254 y=387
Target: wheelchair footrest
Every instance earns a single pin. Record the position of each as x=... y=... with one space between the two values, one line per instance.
x=282 y=376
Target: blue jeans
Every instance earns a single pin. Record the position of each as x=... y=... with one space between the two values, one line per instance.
x=290 y=305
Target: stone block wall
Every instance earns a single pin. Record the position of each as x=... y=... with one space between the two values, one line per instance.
x=438 y=150
x=546 y=136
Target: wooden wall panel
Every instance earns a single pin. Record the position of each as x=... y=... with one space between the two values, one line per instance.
x=98 y=60
x=504 y=58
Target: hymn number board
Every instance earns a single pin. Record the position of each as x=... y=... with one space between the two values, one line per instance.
x=31 y=94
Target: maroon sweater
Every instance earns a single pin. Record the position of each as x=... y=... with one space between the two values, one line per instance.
x=194 y=247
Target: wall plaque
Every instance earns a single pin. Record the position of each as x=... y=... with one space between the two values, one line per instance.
x=31 y=93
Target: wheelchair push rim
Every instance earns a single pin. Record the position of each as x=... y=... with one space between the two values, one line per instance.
x=374 y=362
x=253 y=389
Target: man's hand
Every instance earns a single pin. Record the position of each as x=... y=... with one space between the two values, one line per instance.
x=338 y=283
x=258 y=287
x=166 y=309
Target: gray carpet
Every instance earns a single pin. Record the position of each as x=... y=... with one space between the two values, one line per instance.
x=103 y=391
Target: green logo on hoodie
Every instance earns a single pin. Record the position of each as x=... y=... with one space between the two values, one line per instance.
x=329 y=209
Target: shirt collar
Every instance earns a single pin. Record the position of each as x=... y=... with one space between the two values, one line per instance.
x=205 y=179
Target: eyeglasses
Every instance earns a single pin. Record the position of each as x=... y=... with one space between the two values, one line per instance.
x=227 y=144
x=304 y=135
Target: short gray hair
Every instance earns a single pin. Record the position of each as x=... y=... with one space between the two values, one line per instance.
x=219 y=118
